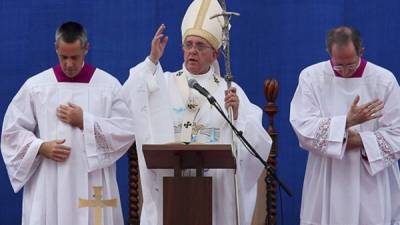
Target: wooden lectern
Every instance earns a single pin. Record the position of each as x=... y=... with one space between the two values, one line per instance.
x=188 y=200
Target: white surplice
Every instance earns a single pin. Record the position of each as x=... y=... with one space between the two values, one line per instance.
x=154 y=96
x=52 y=189
x=340 y=187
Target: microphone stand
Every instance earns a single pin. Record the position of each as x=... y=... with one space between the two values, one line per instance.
x=270 y=173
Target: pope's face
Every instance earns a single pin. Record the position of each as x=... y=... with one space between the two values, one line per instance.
x=198 y=55
x=71 y=56
x=345 y=59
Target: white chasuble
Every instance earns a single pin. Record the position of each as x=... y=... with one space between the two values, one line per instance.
x=52 y=189
x=155 y=97
x=187 y=104
x=340 y=187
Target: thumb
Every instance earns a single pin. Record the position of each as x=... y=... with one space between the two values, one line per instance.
x=70 y=104
x=60 y=141
x=356 y=100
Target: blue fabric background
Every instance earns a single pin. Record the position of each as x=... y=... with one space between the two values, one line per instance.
x=271 y=39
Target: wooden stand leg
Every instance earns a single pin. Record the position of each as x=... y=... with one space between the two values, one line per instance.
x=187 y=200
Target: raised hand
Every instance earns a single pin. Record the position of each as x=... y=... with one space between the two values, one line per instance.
x=71 y=114
x=55 y=150
x=158 y=44
x=363 y=113
x=232 y=100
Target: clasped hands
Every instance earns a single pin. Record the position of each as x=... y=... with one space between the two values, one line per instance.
x=56 y=150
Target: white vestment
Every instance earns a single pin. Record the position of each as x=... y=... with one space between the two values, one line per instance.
x=52 y=189
x=154 y=96
x=340 y=187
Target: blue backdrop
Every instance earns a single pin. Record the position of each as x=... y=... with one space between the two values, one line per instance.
x=271 y=39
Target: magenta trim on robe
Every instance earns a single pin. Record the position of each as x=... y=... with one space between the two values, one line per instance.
x=358 y=73
x=84 y=76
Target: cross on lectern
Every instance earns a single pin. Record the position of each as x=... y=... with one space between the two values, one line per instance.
x=187 y=124
x=97 y=203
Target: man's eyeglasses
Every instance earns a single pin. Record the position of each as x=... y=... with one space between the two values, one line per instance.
x=199 y=47
x=351 y=67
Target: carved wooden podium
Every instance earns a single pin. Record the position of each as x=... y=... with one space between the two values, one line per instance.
x=188 y=200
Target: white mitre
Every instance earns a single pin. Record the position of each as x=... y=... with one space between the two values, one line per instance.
x=197 y=22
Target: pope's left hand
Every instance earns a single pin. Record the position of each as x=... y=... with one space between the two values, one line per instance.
x=232 y=100
x=71 y=114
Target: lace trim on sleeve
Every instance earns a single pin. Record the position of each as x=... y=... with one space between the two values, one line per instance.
x=385 y=149
x=16 y=161
x=21 y=154
x=320 y=142
x=101 y=141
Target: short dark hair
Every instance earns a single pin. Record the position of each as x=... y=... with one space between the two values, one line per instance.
x=70 y=32
x=341 y=36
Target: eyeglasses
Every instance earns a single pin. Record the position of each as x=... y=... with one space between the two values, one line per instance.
x=351 y=67
x=199 y=47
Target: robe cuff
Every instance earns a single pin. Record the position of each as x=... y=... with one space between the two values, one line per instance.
x=90 y=148
x=337 y=133
x=29 y=161
x=95 y=142
x=375 y=161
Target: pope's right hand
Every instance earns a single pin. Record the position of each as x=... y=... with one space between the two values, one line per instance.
x=55 y=150
x=158 y=44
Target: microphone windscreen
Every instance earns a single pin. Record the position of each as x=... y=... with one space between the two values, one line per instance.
x=192 y=82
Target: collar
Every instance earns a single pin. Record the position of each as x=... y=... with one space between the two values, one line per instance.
x=201 y=78
x=357 y=74
x=84 y=76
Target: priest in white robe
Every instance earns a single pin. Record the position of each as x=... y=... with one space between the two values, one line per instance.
x=166 y=105
x=62 y=134
x=346 y=114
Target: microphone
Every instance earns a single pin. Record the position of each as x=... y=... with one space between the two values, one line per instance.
x=195 y=85
x=239 y=134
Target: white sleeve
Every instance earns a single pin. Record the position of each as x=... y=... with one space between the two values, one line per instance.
x=146 y=94
x=250 y=123
x=147 y=99
x=19 y=144
x=318 y=134
x=249 y=167
x=107 y=139
x=382 y=146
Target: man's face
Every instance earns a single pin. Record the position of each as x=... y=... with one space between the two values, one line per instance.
x=345 y=59
x=71 y=57
x=198 y=55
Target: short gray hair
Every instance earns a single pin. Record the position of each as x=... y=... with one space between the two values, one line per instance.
x=341 y=36
x=70 y=32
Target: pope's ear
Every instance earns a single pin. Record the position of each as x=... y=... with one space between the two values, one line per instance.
x=216 y=53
